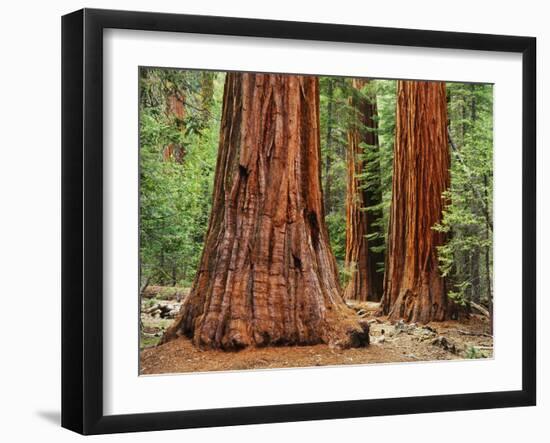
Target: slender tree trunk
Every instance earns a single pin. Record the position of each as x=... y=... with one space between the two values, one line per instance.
x=488 y=268
x=365 y=282
x=413 y=288
x=175 y=106
x=161 y=266
x=474 y=275
x=175 y=110
x=267 y=275
x=207 y=92
x=328 y=158
x=174 y=275
x=475 y=257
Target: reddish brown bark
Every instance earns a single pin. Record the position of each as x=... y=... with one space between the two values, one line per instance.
x=267 y=275
x=365 y=283
x=414 y=289
x=175 y=110
x=175 y=106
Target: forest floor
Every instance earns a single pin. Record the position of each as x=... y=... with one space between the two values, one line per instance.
x=390 y=342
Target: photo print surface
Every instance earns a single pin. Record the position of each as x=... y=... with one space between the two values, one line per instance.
x=299 y=220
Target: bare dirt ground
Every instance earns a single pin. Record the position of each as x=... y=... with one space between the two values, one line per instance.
x=397 y=342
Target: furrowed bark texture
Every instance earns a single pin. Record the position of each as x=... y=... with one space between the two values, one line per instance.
x=365 y=283
x=267 y=275
x=413 y=288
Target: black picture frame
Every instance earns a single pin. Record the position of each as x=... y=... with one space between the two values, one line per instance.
x=82 y=218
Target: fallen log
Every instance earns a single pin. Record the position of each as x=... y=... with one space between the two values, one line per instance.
x=363 y=307
x=165 y=292
x=474 y=334
x=446 y=344
x=163 y=310
x=480 y=309
x=151 y=309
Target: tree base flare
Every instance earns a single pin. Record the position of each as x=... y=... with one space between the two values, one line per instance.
x=343 y=333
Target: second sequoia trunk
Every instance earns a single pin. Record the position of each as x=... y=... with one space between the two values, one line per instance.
x=414 y=289
x=365 y=283
x=267 y=274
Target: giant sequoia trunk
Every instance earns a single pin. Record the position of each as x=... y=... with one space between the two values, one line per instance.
x=267 y=274
x=413 y=288
x=365 y=283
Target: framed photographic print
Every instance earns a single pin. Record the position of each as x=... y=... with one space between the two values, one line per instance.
x=269 y=221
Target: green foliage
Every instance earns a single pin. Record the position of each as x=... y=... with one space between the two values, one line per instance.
x=386 y=95
x=346 y=273
x=148 y=341
x=335 y=221
x=175 y=196
x=466 y=258
x=378 y=179
x=473 y=353
x=334 y=117
x=150 y=303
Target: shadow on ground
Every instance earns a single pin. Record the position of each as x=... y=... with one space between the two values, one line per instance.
x=53 y=417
